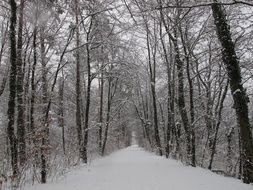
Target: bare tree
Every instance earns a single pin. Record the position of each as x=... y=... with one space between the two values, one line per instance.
x=238 y=92
x=20 y=89
x=78 y=86
x=12 y=87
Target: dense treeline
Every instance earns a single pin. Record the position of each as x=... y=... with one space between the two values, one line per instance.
x=199 y=51
x=78 y=77
x=67 y=83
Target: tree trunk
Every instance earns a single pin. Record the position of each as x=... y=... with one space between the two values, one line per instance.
x=78 y=86
x=86 y=124
x=217 y=126
x=100 y=120
x=152 y=72
x=169 y=96
x=108 y=112
x=20 y=89
x=240 y=98
x=12 y=88
x=88 y=97
x=240 y=155
x=191 y=94
x=171 y=71
x=44 y=123
x=181 y=100
x=164 y=128
x=143 y=116
x=229 y=165
x=61 y=112
x=33 y=89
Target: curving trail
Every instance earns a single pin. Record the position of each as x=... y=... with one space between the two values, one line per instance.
x=134 y=169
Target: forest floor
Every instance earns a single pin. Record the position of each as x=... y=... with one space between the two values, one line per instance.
x=135 y=169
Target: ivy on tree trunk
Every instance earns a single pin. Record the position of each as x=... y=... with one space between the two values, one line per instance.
x=240 y=98
x=12 y=87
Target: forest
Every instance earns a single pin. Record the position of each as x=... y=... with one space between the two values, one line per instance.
x=80 y=78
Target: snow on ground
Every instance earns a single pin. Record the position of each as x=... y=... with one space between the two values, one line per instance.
x=134 y=169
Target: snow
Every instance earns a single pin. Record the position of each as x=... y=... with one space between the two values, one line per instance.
x=135 y=169
x=237 y=91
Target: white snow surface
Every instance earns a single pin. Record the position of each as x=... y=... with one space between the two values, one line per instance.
x=135 y=169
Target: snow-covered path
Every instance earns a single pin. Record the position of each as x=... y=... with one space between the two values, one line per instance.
x=134 y=169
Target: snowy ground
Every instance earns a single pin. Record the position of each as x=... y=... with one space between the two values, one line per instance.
x=134 y=169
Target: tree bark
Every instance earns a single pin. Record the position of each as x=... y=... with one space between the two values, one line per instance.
x=88 y=97
x=229 y=165
x=78 y=86
x=12 y=87
x=108 y=112
x=217 y=126
x=191 y=94
x=238 y=92
x=44 y=123
x=20 y=90
x=33 y=89
x=101 y=105
x=180 y=75
x=169 y=96
x=61 y=112
x=181 y=98
x=152 y=73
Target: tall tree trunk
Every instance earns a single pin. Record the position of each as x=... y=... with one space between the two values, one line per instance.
x=45 y=127
x=108 y=112
x=12 y=88
x=192 y=114
x=238 y=92
x=180 y=74
x=143 y=115
x=33 y=89
x=217 y=126
x=171 y=71
x=61 y=112
x=156 y=130
x=78 y=86
x=152 y=72
x=169 y=96
x=101 y=105
x=181 y=98
x=191 y=94
x=164 y=127
x=88 y=97
x=20 y=89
